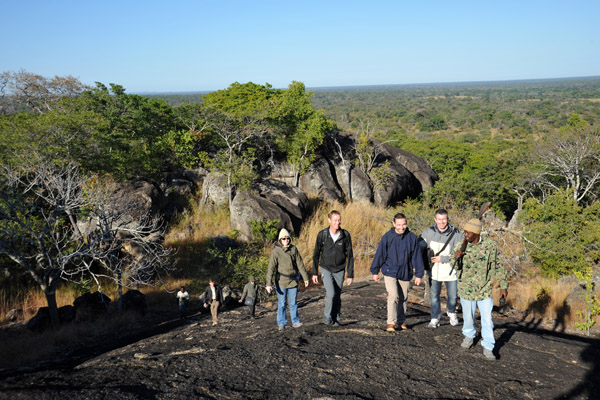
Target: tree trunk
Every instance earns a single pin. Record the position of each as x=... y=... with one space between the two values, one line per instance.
x=50 y=293
x=120 y=286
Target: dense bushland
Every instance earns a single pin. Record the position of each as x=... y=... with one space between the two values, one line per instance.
x=532 y=148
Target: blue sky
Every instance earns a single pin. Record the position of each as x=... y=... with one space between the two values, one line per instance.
x=172 y=46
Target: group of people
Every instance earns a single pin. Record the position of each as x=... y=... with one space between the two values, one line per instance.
x=213 y=297
x=466 y=263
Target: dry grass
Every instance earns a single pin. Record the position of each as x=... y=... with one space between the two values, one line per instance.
x=30 y=301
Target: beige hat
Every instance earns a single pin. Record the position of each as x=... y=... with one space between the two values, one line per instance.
x=473 y=225
x=283 y=234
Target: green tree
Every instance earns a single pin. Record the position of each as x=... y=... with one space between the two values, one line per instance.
x=562 y=235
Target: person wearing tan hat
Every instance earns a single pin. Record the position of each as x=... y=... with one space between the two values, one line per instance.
x=286 y=264
x=480 y=267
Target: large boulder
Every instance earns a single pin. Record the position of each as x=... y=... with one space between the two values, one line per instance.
x=42 y=321
x=273 y=200
x=321 y=180
x=402 y=185
x=90 y=306
x=135 y=301
x=214 y=189
x=359 y=188
x=415 y=165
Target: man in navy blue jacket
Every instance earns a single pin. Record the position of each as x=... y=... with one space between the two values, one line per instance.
x=397 y=254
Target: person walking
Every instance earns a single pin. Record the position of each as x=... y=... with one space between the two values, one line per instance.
x=441 y=240
x=213 y=295
x=333 y=252
x=249 y=296
x=183 y=299
x=284 y=267
x=398 y=253
x=480 y=267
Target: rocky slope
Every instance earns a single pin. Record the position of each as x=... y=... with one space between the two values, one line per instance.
x=249 y=359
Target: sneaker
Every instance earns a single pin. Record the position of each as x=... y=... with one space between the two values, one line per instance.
x=453 y=318
x=402 y=326
x=434 y=323
x=489 y=354
x=467 y=343
x=336 y=323
x=281 y=327
x=297 y=325
x=327 y=322
x=390 y=328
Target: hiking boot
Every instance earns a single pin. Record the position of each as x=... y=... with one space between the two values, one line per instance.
x=489 y=354
x=297 y=324
x=434 y=323
x=281 y=327
x=467 y=343
x=453 y=318
x=390 y=328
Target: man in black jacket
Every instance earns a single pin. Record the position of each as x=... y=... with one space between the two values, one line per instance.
x=333 y=252
x=213 y=296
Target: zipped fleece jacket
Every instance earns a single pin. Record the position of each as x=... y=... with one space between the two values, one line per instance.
x=333 y=256
x=435 y=240
x=397 y=255
x=286 y=262
x=480 y=268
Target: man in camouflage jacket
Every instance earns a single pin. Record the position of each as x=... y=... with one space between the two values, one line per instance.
x=480 y=268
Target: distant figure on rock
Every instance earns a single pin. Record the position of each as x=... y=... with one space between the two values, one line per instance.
x=213 y=295
x=479 y=267
x=286 y=264
x=183 y=298
x=333 y=252
x=249 y=296
x=397 y=255
x=440 y=241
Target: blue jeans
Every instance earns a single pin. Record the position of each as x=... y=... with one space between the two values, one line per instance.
x=487 y=325
x=283 y=296
x=333 y=282
x=451 y=293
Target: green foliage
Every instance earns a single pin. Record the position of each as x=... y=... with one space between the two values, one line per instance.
x=264 y=231
x=562 y=236
x=592 y=303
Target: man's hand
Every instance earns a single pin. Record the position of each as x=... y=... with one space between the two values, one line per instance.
x=376 y=277
x=418 y=281
x=269 y=288
x=349 y=281
x=306 y=283
x=459 y=253
x=315 y=279
x=436 y=259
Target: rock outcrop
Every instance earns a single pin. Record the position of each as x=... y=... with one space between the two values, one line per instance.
x=273 y=200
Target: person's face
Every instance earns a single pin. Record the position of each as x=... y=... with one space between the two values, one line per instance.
x=211 y=283
x=285 y=241
x=400 y=225
x=441 y=221
x=470 y=236
x=335 y=222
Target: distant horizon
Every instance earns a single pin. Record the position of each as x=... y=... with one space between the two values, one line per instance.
x=314 y=88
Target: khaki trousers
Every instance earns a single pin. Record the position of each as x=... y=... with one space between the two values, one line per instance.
x=395 y=314
x=214 y=309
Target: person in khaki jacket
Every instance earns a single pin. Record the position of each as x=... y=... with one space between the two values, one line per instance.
x=286 y=264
